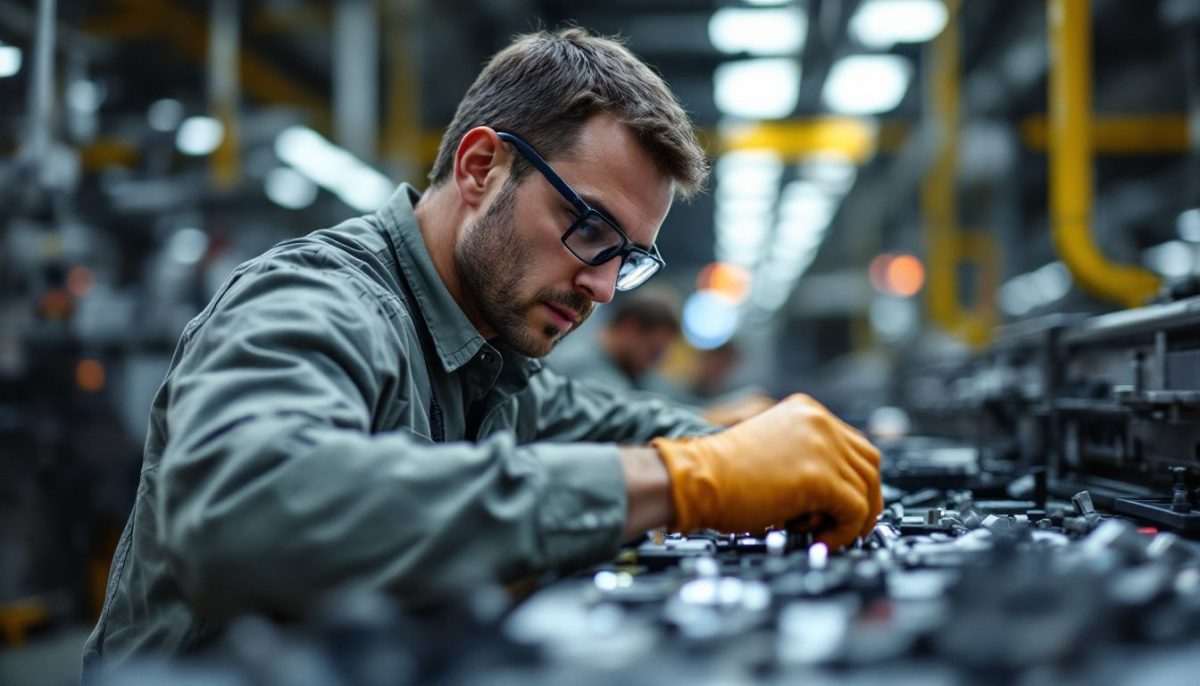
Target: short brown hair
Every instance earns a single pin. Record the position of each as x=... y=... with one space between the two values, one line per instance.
x=546 y=84
x=651 y=307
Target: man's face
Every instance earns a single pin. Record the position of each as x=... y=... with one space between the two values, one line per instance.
x=641 y=348
x=527 y=286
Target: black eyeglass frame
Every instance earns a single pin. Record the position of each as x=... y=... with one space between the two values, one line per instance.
x=584 y=212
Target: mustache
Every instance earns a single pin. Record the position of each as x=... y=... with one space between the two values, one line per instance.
x=569 y=300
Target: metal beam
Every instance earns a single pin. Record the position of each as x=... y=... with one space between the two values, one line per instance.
x=1120 y=135
x=187 y=33
x=797 y=139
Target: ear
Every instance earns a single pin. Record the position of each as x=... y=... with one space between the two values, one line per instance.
x=481 y=165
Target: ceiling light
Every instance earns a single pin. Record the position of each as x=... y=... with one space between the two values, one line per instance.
x=1171 y=259
x=758 y=31
x=880 y=24
x=199 y=135
x=1188 y=225
x=366 y=189
x=10 y=60
x=752 y=173
x=188 y=245
x=352 y=180
x=1051 y=281
x=866 y=84
x=288 y=188
x=832 y=173
x=766 y=88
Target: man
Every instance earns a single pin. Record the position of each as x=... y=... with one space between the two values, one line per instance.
x=363 y=405
x=641 y=329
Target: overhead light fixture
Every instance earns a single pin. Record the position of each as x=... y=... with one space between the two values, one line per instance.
x=199 y=135
x=289 y=189
x=749 y=173
x=747 y=189
x=834 y=174
x=357 y=184
x=803 y=202
x=366 y=189
x=10 y=60
x=188 y=245
x=1188 y=225
x=1171 y=259
x=85 y=96
x=866 y=84
x=765 y=88
x=779 y=31
x=1046 y=284
x=880 y=24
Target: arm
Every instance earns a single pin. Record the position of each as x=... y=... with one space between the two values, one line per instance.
x=273 y=487
x=565 y=409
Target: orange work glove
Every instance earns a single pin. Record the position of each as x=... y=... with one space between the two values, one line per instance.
x=794 y=460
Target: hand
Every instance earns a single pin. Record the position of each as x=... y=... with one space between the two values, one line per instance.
x=739 y=410
x=796 y=460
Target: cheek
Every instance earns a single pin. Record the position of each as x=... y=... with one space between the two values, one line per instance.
x=549 y=262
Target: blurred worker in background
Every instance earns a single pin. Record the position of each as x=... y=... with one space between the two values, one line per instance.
x=630 y=346
x=640 y=330
x=363 y=405
x=710 y=387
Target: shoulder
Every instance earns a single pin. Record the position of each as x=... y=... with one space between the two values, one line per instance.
x=347 y=264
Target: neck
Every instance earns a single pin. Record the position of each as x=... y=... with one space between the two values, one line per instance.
x=441 y=221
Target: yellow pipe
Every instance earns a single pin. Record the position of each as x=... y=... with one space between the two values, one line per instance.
x=939 y=204
x=947 y=246
x=1071 y=158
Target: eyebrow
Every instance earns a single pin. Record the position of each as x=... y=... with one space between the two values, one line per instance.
x=595 y=204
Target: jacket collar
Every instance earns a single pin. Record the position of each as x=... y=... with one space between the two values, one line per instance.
x=454 y=337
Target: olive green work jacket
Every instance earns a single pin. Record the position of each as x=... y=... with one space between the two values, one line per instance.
x=312 y=432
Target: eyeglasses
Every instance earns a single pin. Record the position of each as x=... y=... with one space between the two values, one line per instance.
x=595 y=238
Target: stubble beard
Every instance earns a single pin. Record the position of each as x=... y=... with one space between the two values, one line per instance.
x=492 y=264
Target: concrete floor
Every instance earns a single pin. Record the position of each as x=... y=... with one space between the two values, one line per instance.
x=48 y=659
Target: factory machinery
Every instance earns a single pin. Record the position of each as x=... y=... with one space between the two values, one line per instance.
x=1044 y=535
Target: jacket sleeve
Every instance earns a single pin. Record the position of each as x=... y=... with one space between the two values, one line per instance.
x=274 y=490
x=566 y=409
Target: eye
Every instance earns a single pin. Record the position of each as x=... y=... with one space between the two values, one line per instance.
x=588 y=230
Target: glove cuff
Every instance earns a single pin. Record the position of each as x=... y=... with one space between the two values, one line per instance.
x=692 y=491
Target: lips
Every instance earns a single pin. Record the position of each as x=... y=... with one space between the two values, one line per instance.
x=562 y=317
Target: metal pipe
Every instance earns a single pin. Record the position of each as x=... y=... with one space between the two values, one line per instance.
x=1071 y=183
x=41 y=86
x=356 y=77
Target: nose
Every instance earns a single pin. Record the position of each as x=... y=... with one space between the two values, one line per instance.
x=599 y=283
